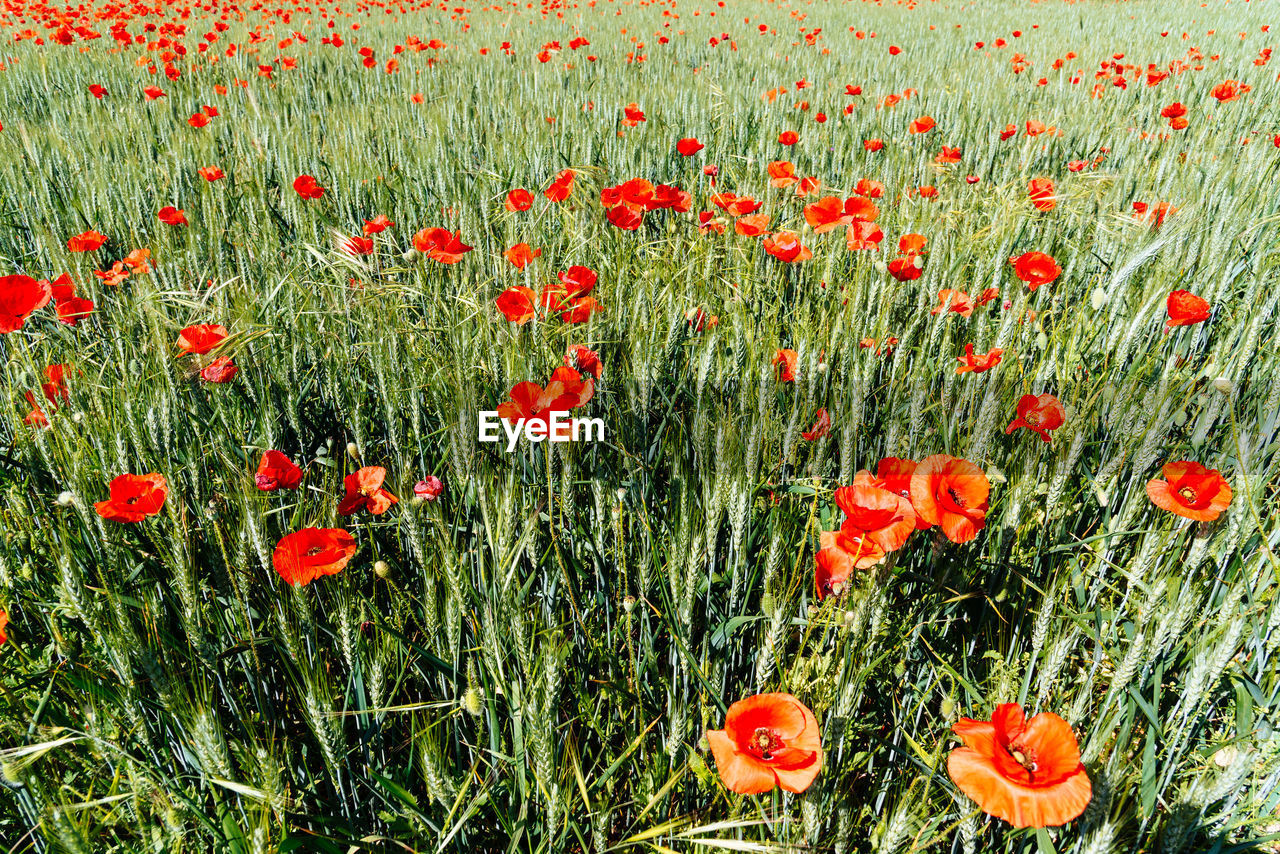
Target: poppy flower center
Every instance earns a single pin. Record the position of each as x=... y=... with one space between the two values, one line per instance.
x=955 y=496
x=1034 y=418
x=314 y=550
x=765 y=742
x=1023 y=756
x=1188 y=494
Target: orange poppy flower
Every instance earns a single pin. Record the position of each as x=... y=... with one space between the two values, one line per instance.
x=1026 y=772
x=786 y=360
x=1185 y=309
x=782 y=173
x=894 y=474
x=1036 y=269
x=1042 y=413
x=201 y=338
x=951 y=493
x=304 y=556
x=86 y=241
x=735 y=205
x=786 y=246
x=768 y=740
x=133 y=497
x=4 y=625
x=440 y=245
x=947 y=156
x=20 y=296
x=1191 y=490
x=521 y=255
x=1041 y=190
x=211 y=173
x=365 y=492
x=885 y=517
x=978 y=363
x=752 y=226
x=276 y=471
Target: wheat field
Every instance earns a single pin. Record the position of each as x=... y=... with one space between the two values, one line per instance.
x=768 y=246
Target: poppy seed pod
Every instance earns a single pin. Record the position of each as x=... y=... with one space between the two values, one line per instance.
x=1223 y=385
x=353 y=451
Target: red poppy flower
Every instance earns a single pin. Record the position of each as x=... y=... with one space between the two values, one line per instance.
x=304 y=556
x=625 y=217
x=20 y=296
x=666 y=196
x=895 y=474
x=884 y=517
x=518 y=200
x=1036 y=269
x=521 y=255
x=1042 y=413
x=1026 y=772
x=1191 y=490
x=768 y=740
x=957 y=301
x=689 y=146
x=578 y=280
x=863 y=235
x=868 y=188
x=735 y=205
x=788 y=137
x=753 y=225
x=786 y=246
x=86 y=242
x=134 y=497
x=951 y=493
x=1185 y=309
x=1041 y=191
x=198 y=120
x=97 y=91
x=529 y=401
x=4 y=626
x=873 y=145
x=580 y=310
x=377 y=225
x=924 y=124
x=584 y=359
x=561 y=187
x=1230 y=90
x=358 y=245
x=276 y=471
x=821 y=426
x=211 y=173
x=632 y=115
x=153 y=93
x=307 y=187
x=170 y=215
x=201 y=338
x=786 y=360
x=980 y=362
x=365 y=492
x=441 y=245
x=429 y=488
x=947 y=156
x=518 y=304
x=220 y=370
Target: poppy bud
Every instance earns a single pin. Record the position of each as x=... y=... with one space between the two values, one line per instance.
x=382 y=569
x=622 y=494
x=1223 y=385
x=411 y=255
x=429 y=488
x=66 y=499
x=353 y=451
